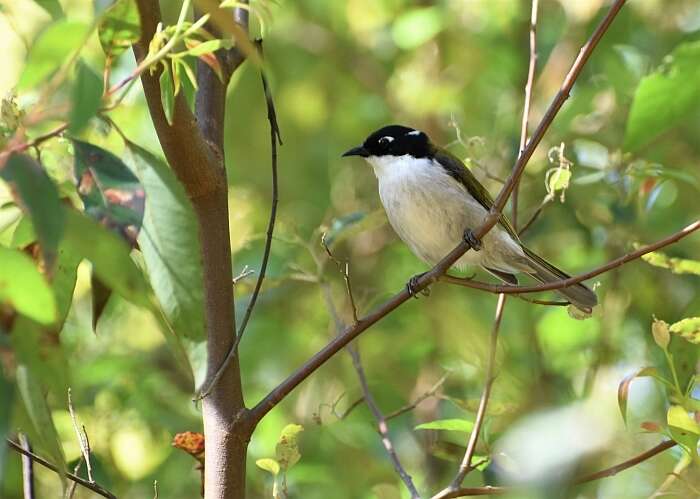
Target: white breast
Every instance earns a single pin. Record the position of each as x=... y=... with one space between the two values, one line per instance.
x=430 y=210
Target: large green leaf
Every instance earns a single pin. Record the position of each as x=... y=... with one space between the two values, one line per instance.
x=24 y=288
x=119 y=28
x=665 y=97
x=111 y=194
x=109 y=256
x=37 y=195
x=170 y=245
x=53 y=7
x=86 y=97
x=51 y=49
x=39 y=412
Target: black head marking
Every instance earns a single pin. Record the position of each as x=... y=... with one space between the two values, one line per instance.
x=394 y=140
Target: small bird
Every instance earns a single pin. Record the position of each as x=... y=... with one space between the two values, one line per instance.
x=433 y=201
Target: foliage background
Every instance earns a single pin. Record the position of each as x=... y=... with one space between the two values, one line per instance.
x=340 y=70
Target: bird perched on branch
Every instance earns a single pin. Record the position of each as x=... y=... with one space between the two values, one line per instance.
x=433 y=202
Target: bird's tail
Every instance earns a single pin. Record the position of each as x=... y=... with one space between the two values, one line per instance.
x=579 y=295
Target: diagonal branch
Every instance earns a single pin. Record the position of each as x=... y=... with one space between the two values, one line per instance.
x=351 y=332
x=46 y=464
x=607 y=472
x=564 y=283
x=466 y=466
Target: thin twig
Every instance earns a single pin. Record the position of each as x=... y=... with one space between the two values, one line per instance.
x=535 y=215
x=528 y=98
x=409 y=407
x=382 y=427
x=466 y=465
x=74 y=485
x=351 y=332
x=564 y=283
x=275 y=138
x=83 y=441
x=607 y=472
x=27 y=469
x=71 y=476
x=367 y=396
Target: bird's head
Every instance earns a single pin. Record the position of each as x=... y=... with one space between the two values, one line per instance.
x=393 y=141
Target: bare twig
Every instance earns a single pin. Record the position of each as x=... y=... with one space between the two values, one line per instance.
x=275 y=138
x=27 y=469
x=351 y=332
x=607 y=472
x=466 y=465
x=497 y=288
x=528 y=98
x=367 y=396
x=71 y=476
x=382 y=427
x=409 y=407
x=82 y=438
x=535 y=215
x=74 y=485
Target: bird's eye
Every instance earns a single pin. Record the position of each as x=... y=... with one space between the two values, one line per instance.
x=385 y=141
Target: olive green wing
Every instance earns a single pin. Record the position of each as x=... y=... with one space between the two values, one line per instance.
x=461 y=173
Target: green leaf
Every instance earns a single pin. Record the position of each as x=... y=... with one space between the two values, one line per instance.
x=624 y=387
x=51 y=49
x=675 y=265
x=53 y=7
x=109 y=256
x=111 y=193
x=415 y=27
x=120 y=28
x=167 y=94
x=351 y=224
x=665 y=97
x=688 y=329
x=463 y=425
x=558 y=180
x=196 y=49
x=86 y=97
x=170 y=245
x=684 y=429
x=269 y=465
x=37 y=195
x=24 y=288
x=40 y=414
x=287 y=449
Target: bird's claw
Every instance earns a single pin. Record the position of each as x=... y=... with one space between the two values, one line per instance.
x=412 y=286
x=473 y=242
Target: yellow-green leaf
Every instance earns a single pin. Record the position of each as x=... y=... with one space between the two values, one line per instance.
x=288 y=446
x=688 y=329
x=269 y=465
x=24 y=288
x=463 y=425
x=675 y=265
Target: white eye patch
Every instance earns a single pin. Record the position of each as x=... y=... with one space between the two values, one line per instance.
x=386 y=140
x=414 y=132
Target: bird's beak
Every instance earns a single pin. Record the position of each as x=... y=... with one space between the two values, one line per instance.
x=357 y=151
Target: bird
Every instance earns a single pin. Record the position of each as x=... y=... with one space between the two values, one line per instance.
x=433 y=201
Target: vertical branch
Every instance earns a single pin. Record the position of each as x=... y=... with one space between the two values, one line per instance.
x=528 y=98
x=465 y=467
x=275 y=138
x=83 y=441
x=27 y=468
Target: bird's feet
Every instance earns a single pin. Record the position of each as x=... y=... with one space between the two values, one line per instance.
x=412 y=286
x=473 y=242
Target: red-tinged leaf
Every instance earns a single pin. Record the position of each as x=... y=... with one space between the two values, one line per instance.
x=651 y=427
x=623 y=389
x=111 y=194
x=213 y=62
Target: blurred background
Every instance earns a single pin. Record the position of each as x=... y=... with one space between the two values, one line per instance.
x=455 y=69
